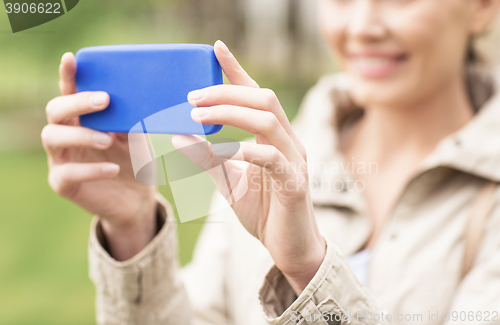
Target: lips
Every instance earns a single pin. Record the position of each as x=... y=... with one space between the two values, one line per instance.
x=376 y=64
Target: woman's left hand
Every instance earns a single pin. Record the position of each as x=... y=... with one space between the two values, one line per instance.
x=276 y=207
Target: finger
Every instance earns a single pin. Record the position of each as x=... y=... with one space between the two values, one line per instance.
x=64 y=178
x=232 y=69
x=261 y=99
x=263 y=155
x=56 y=137
x=257 y=122
x=195 y=148
x=63 y=108
x=67 y=72
x=257 y=98
x=198 y=150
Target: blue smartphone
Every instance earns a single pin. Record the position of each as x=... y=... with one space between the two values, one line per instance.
x=148 y=86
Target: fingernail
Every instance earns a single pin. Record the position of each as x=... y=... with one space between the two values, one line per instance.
x=196 y=94
x=110 y=169
x=97 y=100
x=223 y=47
x=101 y=138
x=197 y=113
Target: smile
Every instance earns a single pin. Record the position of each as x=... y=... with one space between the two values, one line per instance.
x=379 y=65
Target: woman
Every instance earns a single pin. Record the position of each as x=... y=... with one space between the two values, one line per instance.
x=378 y=242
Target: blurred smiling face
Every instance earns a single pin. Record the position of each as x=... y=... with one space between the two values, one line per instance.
x=400 y=51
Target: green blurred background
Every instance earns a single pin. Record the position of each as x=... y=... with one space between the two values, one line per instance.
x=43 y=238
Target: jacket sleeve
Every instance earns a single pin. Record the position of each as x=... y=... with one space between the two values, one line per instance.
x=151 y=288
x=335 y=296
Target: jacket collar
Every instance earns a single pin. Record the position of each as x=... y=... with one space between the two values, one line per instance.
x=474 y=149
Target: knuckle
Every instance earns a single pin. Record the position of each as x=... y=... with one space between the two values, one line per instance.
x=270 y=97
x=275 y=155
x=54 y=182
x=49 y=109
x=45 y=134
x=63 y=174
x=270 y=122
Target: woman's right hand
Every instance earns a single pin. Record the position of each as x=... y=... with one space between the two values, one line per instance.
x=93 y=169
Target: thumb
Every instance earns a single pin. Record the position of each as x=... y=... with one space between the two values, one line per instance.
x=232 y=69
x=199 y=151
x=67 y=72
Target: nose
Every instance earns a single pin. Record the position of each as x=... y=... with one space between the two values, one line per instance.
x=366 y=21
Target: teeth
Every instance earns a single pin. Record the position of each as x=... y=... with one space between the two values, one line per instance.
x=372 y=62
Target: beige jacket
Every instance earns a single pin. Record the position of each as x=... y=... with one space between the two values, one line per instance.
x=413 y=273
